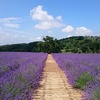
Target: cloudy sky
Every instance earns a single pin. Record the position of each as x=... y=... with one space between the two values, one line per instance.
x=24 y=21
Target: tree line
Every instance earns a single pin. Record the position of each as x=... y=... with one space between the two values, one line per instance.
x=75 y=44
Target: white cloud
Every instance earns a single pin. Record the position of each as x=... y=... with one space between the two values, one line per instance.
x=79 y=31
x=11 y=22
x=39 y=38
x=38 y=14
x=10 y=36
x=59 y=18
x=83 y=31
x=43 y=25
x=11 y=25
x=68 y=29
x=46 y=21
x=50 y=31
x=48 y=25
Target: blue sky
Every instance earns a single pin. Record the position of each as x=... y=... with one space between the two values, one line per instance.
x=24 y=21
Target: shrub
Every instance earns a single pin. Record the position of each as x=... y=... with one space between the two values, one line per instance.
x=83 y=79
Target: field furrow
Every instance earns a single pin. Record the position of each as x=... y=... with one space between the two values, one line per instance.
x=54 y=84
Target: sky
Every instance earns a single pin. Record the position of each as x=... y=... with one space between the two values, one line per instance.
x=24 y=21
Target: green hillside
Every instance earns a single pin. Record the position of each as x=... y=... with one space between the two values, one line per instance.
x=75 y=44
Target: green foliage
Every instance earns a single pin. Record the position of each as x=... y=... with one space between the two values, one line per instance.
x=50 y=45
x=82 y=80
x=80 y=44
x=22 y=79
x=12 y=89
x=96 y=95
x=31 y=47
x=3 y=69
x=75 y=44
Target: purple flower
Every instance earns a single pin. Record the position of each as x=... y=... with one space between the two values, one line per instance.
x=75 y=65
x=19 y=72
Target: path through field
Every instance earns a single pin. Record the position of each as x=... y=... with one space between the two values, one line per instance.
x=54 y=84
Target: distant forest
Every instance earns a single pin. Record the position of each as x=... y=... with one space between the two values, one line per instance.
x=75 y=44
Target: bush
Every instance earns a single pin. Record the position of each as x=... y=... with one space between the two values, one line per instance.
x=83 y=79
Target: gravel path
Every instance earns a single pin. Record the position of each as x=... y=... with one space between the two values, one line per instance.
x=54 y=84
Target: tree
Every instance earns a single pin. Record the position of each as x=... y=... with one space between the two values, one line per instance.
x=49 y=45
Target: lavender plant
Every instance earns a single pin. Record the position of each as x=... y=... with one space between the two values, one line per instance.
x=82 y=71
x=23 y=73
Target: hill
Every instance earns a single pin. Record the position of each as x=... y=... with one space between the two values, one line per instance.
x=75 y=44
x=24 y=47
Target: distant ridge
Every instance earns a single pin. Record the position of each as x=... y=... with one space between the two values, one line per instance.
x=75 y=44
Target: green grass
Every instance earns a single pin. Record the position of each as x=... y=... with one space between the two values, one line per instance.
x=83 y=79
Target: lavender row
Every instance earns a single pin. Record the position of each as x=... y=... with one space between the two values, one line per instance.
x=10 y=61
x=16 y=84
x=82 y=71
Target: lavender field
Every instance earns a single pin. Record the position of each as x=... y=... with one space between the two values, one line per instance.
x=82 y=71
x=19 y=73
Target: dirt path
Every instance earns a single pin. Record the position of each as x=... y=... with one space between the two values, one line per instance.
x=54 y=85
